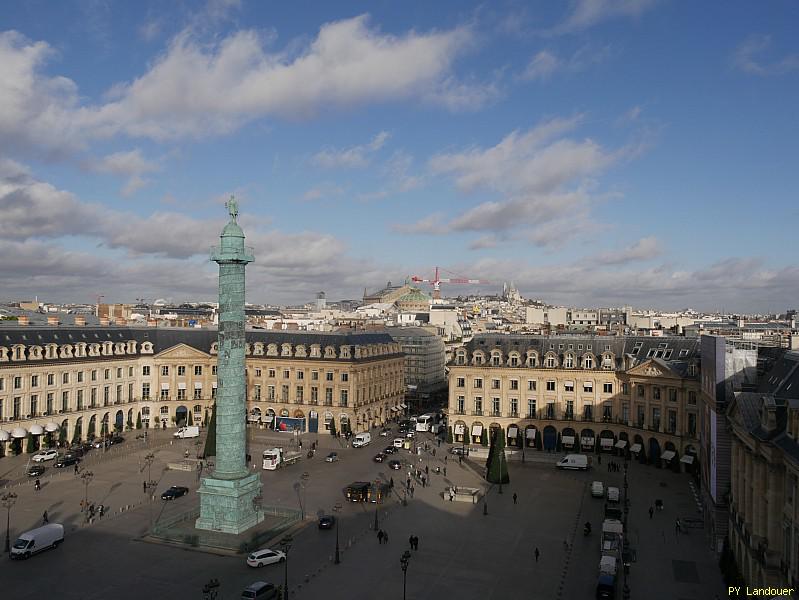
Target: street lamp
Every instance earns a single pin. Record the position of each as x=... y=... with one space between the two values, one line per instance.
x=8 y=501
x=377 y=499
x=404 y=560
x=337 y=509
x=149 y=484
x=285 y=545
x=87 y=477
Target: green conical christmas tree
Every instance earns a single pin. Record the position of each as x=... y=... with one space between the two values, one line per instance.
x=210 y=440
x=497 y=467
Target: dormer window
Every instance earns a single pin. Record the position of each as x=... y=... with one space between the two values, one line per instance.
x=568 y=361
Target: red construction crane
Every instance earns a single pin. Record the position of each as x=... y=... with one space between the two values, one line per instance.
x=437 y=281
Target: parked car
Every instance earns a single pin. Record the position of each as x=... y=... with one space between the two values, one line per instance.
x=36 y=471
x=100 y=443
x=327 y=521
x=175 y=491
x=80 y=449
x=378 y=458
x=395 y=464
x=613 y=494
x=117 y=439
x=597 y=489
x=44 y=455
x=389 y=450
x=398 y=442
x=37 y=540
x=261 y=558
x=332 y=457
x=459 y=451
x=410 y=434
x=66 y=461
x=259 y=590
x=385 y=432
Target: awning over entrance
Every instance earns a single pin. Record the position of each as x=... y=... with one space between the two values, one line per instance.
x=403 y=406
x=621 y=444
x=477 y=430
x=460 y=428
x=513 y=432
x=635 y=448
x=530 y=433
x=687 y=459
x=268 y=418
x=606 y=442
x=394 y=409
x=587 y=442
x=668 y=455
x=568 y=439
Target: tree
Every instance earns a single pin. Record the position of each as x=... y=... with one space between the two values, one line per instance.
x=189 y=420
x=138 y=420
x=484 y=437
x=449 y=434
x=77 y=434
x=333 y=426
x=205 y=418
x=558 y=444
x=210 y=439
x=62 y=435
x=90 y=433
x=33 y=445
x=497 y=468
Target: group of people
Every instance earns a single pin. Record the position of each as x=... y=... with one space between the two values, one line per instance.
x=614 y=467
x=91 y=509
x=414 y=542
x=382 y=537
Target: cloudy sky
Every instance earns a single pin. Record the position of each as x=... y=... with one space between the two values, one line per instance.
x=597 y=152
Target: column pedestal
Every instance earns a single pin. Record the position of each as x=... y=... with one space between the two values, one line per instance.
x=226 y=505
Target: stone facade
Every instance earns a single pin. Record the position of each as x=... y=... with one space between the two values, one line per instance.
x=579 y=393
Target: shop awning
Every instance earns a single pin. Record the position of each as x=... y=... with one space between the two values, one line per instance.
x=18 y=433
x=587 y=441
x=606 y=442
x=477 y=430
x=530 y=433
x=687 y=459
x=621 y=444
x=4 y=435
x=36 y=430
x=668 y=455
x=403 y=406
x=268 y=418
x=568 y=439
x=513 y=432
x=394 y=409
x=51 y=427
x=635 y=448
x=568 y=383
x=460 y=428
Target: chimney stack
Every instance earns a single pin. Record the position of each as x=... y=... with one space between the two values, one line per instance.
x=152 y=323
x=23 y=320
x=80 y=321
x=104 y=322
x=52 y=321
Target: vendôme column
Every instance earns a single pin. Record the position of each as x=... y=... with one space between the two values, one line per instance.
x=226 y=498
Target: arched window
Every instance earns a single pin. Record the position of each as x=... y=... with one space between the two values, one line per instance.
x=551 y=361
x=588 y=362
x=568 y=361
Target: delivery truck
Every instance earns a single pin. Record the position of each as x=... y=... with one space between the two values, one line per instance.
x=191 y=431
x=277 y=458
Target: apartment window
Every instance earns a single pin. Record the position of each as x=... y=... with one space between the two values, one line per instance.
x=64 y=401
x=588 y=412
x=80 y=399
x=314 y=394
x=625 y=412
x=568 y=386
x=531 y=385
x=165 y=370
x=213 y=369
x=656 y=393
x=550 y=410
x=181 y=371
x=514 y=407
x=588 y=363
x=640 y=415
x=478 y=404
x=588 y=387
x=672 y=395
x=198 y=370
x=514 y=384
x=495 y=405
x=460 y=405
x=106 y=395
x=625 y=389
x=531 y=408
x=343 y=398
x=284 y=393
x=93 y=401
x=314 y=375
x=198 y=393
x=106 y=374
x=213 y=393
x=496 y=361
x=656 y=418
x=640 y=391
x=164 y=393
x=65 y=378
x=145 y=391
x=257 y=393
x=94 y=374
x=329 y=376
x=270 y=392
x=130 y=371
x=130 y=392
x=300 y=392
x=119 y=372
x=300 y=375
x=329 y=396
x=692 y=424
x=672 y=421
x=181 y=393
x=495 y=384
x=478 y=383
x=17 y=383
x=607 y=411
x=34 y=405
x=17 y=407
x=550 y=386
x=345 y=377
x=145 y=370
x=286 y=373
x=34 y=381
x=691 y=397
x=271 y=373
x=568 y=362
x=50 y=379
x=514 y=361
x=80 y=376
x=607 y=388
x=550 y=362
x=460 y=382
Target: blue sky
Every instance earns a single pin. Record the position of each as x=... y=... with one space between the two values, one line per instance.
x=596 y=152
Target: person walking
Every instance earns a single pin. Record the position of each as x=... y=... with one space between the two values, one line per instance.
x=410 y=541
x=537 y=554
x=416 y=542
x=76 y=468
x=45 y=518
x=380 y=537
x=515 y=497
x=651 y=512
x=445 y=471
x=677 y=527
x=385 y=537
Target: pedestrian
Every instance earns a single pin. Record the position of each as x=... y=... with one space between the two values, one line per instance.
x=385 y=538
x=45 y=518
x=410 y=541
x=609 y=466
x=37 y=485
x=445 y=471
x=416 y=542
x=460 y=459
x=677 y=527
x=445 y=459
x=537 y=554
x=515 y=497
x=651 y=512
x=408 y=483
x=391 y=483
x=427 y=470
x=412 y=490
x=144 y=487
x=102 y=510
x=380 y=537
x=76 y=468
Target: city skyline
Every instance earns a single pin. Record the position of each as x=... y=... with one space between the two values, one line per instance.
x=596 y=153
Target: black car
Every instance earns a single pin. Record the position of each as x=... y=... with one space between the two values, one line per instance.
x=326 y=521
x=175 y=491
x=117 y=439
x=36 y=471
x=395 y=464
x=66 y=461
x=389 y=450
x=379 y=458
x=80 y=449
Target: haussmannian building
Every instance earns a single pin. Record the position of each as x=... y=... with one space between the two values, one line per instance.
x=580 y=393
x=424 y=357
x=75 y=382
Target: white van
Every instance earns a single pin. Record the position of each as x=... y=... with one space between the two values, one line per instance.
x=192 y=431
x=36 y=540
x=361 y=440
x=573 y=461
x=613 y=494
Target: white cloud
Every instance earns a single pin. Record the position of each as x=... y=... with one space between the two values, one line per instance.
x=545 y=64
x=587 y=13
x=541 y=66
x=749 y=58
x=354 y=157
x=131 y=164
x=322 y=191
x=644 y=249
x=431 y=224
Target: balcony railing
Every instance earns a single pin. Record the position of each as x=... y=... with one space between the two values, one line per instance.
x=477 y=413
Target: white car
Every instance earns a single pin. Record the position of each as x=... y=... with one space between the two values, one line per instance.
x=398 y=442
x=597 y=489
x=43 y=456
x=259 y=558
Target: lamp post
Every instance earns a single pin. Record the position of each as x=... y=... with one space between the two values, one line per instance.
x=86 y=477
x=150 y=484
x=8 y=501
x=337 y=509
x=404 y=560
x=377 y=498
x=285 y=545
